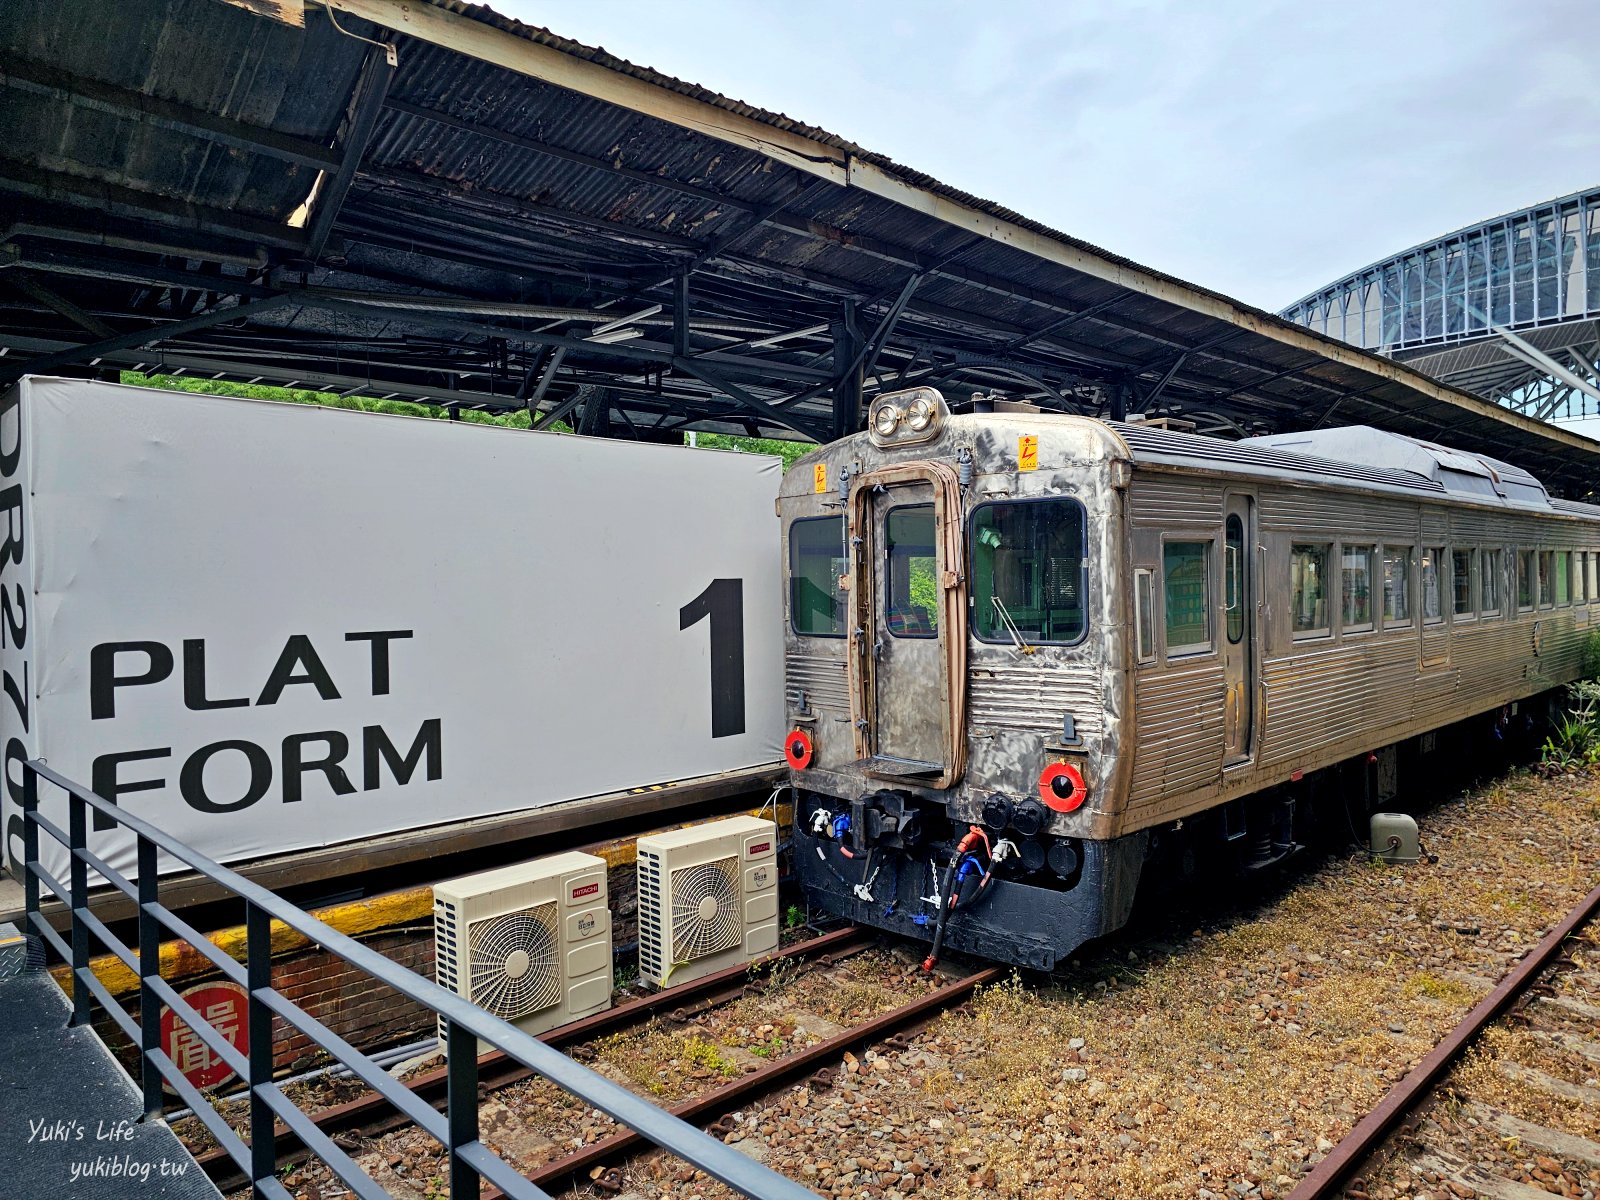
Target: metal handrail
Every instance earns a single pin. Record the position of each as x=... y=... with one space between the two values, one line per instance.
x=471 y=1161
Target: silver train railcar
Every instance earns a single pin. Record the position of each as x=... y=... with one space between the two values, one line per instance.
x=1024 y=650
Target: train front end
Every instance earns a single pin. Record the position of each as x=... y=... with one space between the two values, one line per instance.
x=957 y=678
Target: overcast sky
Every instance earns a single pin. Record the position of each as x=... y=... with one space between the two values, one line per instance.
x=1256 y=147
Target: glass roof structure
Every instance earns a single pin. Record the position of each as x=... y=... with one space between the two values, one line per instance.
x=1508 y=308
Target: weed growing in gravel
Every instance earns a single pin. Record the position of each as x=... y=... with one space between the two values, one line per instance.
x=1574 y=742
x=1422 y=983
x=702 y=1053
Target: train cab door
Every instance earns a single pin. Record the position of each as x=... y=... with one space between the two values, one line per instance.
x=909 y=625
x=1238 y=629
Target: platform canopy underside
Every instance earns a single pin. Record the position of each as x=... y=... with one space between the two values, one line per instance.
x=428 y=201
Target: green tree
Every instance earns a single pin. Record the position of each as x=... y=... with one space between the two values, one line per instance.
x=780 y=448
x=517 y=419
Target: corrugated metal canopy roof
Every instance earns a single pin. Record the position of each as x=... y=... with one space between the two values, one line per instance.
x=484 y=205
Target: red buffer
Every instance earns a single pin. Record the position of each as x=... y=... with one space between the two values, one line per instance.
x=1062 y=788
x=797 y=749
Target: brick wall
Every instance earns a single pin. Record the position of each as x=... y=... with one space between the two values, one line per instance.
x=358 y=1008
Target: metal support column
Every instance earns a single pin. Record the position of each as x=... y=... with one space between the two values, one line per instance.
x=258 y=978
x=847 y=388
x=78 y=893
x=149 y=969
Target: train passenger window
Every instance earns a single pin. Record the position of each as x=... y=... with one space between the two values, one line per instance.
x=1397 y=585
x=1580 y=591
x=1308 y=582
x=1143 y=618
x=911 y=571
x=1593 y=576
x=1029 y=574
x=1547 y=595
x=1432 y=586
x=1233 y=570
x=1524 y=579
x=1490 y=577
x=1185 y=590
x=1355 y=588
x=1563 y=577
x=1463 y=567
x=816 y=564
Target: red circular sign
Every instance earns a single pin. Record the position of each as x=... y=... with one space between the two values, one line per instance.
x=1062 y=788
x=797 y=749
x=223 y=1007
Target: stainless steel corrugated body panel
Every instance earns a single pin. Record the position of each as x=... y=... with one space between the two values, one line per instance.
x=1313 y=512
x=1175 y=503
x=823 y=681
x=1319 y=698
x=1179 y=742
x=1034 y=698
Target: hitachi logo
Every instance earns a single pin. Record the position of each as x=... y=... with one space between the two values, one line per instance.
x=587 y=889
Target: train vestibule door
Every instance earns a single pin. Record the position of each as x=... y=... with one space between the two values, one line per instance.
x=1237 y=639
x=907 y=641
x=908 y=623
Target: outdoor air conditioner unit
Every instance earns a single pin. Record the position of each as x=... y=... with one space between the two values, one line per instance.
x=530 y=943
x=708 y=898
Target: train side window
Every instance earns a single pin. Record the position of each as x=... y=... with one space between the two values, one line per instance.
x=1490 y=578
x=911 y=570
x=1580 y=592
x=1593 y=574
x=816 y=564
x=1029 y=574
x=1463 y=580
x=1432 y=585
x=1547 y=595
x=1185 y=591
x=1234 y=584
x=1308 y=583
x=1563 y=578
x=1143 y=618
x=1524 y=579
x=1397 y=585
x=1355 y=588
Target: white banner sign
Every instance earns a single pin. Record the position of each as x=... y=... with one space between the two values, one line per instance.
x=265 y=627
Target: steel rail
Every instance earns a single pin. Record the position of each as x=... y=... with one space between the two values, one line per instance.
x=720 y=1101
x=371 y=1114
x=1325 y=1179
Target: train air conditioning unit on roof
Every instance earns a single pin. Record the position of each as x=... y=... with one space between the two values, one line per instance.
x=708 y=898
x=530 y=943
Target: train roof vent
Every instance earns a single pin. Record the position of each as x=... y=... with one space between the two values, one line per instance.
x=1192 y=449
x=1457 y=471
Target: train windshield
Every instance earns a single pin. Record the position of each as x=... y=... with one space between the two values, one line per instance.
x=1029 y=573
x=816 y=563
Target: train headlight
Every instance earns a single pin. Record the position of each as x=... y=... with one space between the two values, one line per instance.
x=907 y=417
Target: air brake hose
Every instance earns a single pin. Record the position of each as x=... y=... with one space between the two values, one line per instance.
x=944 y=912
x=973 y=837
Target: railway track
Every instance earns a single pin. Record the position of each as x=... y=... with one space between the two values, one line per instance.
x=1476 y=1149
x=369 y=1116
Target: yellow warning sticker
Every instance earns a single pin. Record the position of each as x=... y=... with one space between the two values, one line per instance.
x=1027 y=453
x=819 y=477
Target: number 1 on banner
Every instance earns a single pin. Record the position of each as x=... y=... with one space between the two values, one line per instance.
x=723 y=603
